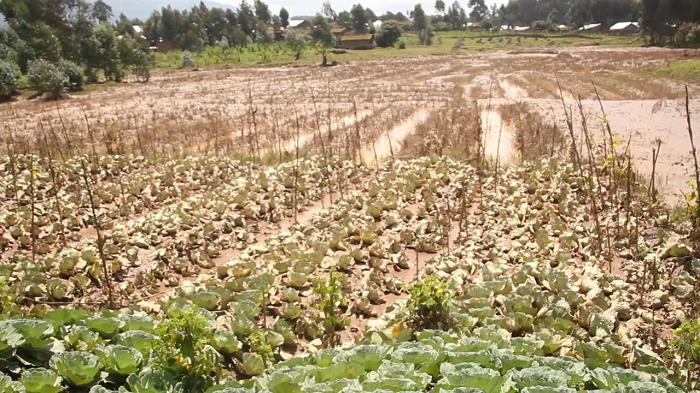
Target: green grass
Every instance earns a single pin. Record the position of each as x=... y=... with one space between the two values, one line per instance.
x=278 y=54
x=688 y=70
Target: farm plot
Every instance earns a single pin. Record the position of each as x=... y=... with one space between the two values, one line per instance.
x=324 y=202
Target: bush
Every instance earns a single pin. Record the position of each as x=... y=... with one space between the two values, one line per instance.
x=688 y=34
x=429 y=304
x=187 y=60
x=426 y=36
x=388 y=34
x=402 y=43
x=10 y=76
x=545 y=25
x=73 y=73
x=47 y=78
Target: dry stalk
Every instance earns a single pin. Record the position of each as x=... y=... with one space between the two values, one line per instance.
x=591 y=168
x=100 y=239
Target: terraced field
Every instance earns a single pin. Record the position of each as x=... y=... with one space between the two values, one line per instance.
x=186 y=235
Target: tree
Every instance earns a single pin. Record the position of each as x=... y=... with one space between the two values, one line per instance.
x=440 y=6
x=553 y=16
x=479 y=10
x=359 y=18
x=10 y=75
x=297 y=42
x=263 y=35
x=655 y=15
x=454 y=15
x=246 y=18
x=47 y=79
x=345 y=19
x=419 y=19
x=284 y=17
x=262 y=11
x=100 y=52
x=101 y=11
x=328 y=11
x=370 y=15
x=388 y=34
x=323 y=36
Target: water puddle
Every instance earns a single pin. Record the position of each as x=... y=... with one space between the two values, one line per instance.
x=390 y=141
x=338 y=124
x=499 y=137
x=511 y=91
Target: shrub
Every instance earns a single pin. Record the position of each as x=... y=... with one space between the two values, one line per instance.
x=429 y=304
x=223 y=44
x=9 y=77
x=426 y=36
x=297 y=42
x=688 y=34
x=73 y=73
x=47 y=78
x=545 y=25
x=388 y=34
x=187 y=60
x=402 y=43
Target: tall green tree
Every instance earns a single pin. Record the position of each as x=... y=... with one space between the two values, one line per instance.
x=284 y=17
x=323 y=36
x=345 y=19
x=359 y=18
x=262 y=11
x=327 y=10
x=440 y=6
x=100 y=52
x=246 y=18
x=479 y=10
x=102 y=11
x=655 y=15
x=420 y=21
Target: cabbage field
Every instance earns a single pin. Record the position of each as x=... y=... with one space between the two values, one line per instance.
x=148 y=275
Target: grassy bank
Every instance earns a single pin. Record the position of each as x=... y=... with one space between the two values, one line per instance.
x=444 y=42
x=687 y=70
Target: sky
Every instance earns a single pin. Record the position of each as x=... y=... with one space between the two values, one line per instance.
x=311 y=7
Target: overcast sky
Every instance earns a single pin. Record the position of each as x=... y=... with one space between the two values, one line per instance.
x=310 y=7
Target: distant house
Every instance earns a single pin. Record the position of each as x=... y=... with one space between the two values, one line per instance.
x=339 y=31
x=299 y=24
x=358 y=41
x=163 y=46
x=522 y=29
x=625 y=28
x=591 y=28
x=505 y=27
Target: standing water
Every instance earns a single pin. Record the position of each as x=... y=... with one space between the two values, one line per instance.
x=499 y=137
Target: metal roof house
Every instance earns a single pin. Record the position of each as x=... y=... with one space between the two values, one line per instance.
x=591 y=28
x=522 y=29
x=359 y=41
x=624 y=28
x=299 y=24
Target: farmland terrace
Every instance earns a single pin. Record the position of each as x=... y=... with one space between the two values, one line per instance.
x=541 y=188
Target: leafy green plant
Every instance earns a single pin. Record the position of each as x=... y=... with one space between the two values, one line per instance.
x=686 y=345
x=41 y=380
x=78 y=368
x=47 y=79
x=331 y=300
x=181 y=346
x=120 y=360
x=428 y=304
x=258 y=343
